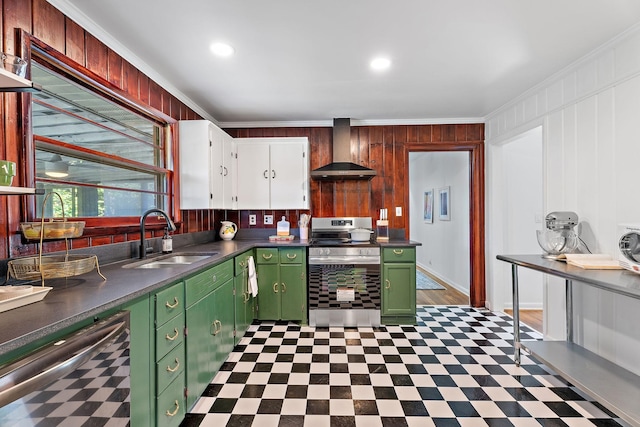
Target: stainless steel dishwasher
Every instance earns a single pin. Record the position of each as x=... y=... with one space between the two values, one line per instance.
x=81 y=379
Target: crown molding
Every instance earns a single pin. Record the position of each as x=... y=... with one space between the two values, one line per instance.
x=354 y=122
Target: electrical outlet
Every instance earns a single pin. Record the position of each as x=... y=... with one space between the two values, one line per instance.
x=398 y=210
x=253 y=219
x=268 y=219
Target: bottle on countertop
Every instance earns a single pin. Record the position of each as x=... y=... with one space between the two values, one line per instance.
x=167 y=242
x=282 y=227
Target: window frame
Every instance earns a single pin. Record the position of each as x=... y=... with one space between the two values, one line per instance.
x=30 y=47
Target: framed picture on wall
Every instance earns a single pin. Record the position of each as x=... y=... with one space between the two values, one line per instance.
x=428 y=206
x=445 y=204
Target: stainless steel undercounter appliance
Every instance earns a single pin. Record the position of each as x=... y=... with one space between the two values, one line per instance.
x=344 y=273
x=81 y=379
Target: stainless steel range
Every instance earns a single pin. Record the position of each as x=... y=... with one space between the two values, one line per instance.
x=344 y=275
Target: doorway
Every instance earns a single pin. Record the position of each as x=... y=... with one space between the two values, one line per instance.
x=439 y=218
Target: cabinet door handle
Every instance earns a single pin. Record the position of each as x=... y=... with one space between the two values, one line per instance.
x=246 y=297
x=273 y=174
x=275 y=287
x=175 y=335
x=175 y=412
x=226 y=171
x=284 y=287
x=216 y=331
x=388 y=284
x=172 y=370
x=242 y=264
x=174 y=305
x=264 y=256
x=214 y=278
x=292 y=256
x=266 y=171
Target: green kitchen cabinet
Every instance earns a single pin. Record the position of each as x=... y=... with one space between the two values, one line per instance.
x=244 y=300
x=398 y=286
x=282 y=284
x=210 y=326
x=169 y=379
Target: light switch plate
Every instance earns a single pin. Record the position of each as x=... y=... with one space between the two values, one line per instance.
x=398 y=210
x=253 y=219
x=268 y=219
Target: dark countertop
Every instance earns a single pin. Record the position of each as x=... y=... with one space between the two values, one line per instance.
x=79 y=298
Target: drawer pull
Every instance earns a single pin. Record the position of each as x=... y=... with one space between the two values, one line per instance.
x=170 y=369
x=292 y=256
x=398 y=251
x=388 y=284
x=174 y=305
x=175 y=412
x=284 y=287
x=246 y=297
x=264 y=256
x=216 y=330
x=175 y=335
x=214 y=278
x=242 y=263
x=275 y=287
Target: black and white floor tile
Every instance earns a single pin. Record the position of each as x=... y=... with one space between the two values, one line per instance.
x=453 y=369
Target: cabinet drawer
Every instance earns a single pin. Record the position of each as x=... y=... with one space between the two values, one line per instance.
x=169 y=335
x=267 y=256
x=240 y=262
x=208 y=280
x=170 y=367
x=170 y=404
x=291 y=256
x=399 y=254
x=169 y=303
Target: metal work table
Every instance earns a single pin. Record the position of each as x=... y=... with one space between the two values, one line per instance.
x=615 y=387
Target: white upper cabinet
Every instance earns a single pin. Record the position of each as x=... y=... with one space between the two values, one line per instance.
x=273 y=173
x=207 y=165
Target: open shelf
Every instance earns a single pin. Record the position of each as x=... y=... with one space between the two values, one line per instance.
x=613 y=386
x=10 y=82
x=6 y=190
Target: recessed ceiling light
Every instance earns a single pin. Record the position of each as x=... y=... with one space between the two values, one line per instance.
x=221 y=49
x=380 y=63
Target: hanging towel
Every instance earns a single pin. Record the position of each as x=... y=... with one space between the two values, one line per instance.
x=253 y=280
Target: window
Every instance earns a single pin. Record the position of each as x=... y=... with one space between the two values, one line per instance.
x=105 y=158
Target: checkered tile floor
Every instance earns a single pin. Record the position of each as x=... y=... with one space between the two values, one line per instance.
x=454 y=368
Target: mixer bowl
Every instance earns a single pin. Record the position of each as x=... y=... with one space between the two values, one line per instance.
x=556 y=242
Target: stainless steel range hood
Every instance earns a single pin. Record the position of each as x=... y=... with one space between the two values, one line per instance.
x=341 y=168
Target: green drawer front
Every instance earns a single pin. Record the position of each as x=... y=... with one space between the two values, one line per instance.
x=169 y=303
x=399 y=254
x=291 y=256
x=170 y=367
x=241 y=261
x=203 y=283
x=169 y=335
x=170 y=405
x=267 y=256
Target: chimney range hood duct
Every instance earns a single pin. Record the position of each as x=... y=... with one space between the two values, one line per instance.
x=341 y=168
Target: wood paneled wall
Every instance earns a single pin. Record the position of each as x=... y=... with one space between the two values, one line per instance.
x=49 y=25
x=383 y=148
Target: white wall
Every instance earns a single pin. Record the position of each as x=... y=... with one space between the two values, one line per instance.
x=590 y=114
x=445 y=244
x=522 y=206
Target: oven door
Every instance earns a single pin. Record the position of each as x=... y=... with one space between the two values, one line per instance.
x=82 y=379
x=344 y=293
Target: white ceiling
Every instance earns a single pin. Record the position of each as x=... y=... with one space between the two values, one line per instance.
x=307 y=61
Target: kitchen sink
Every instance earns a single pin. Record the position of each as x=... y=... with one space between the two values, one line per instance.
x=171 y=260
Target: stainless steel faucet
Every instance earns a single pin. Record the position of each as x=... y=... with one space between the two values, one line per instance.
x=170 y=225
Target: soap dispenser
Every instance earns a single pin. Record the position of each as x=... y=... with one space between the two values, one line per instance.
x=283 y=227
x=167 y=242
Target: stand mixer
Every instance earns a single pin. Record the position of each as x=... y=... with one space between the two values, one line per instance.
x=559 y=237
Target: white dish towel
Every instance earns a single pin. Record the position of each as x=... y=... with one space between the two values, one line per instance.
x=253 y=279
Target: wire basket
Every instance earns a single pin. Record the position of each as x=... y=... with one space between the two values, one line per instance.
x=52 y=266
